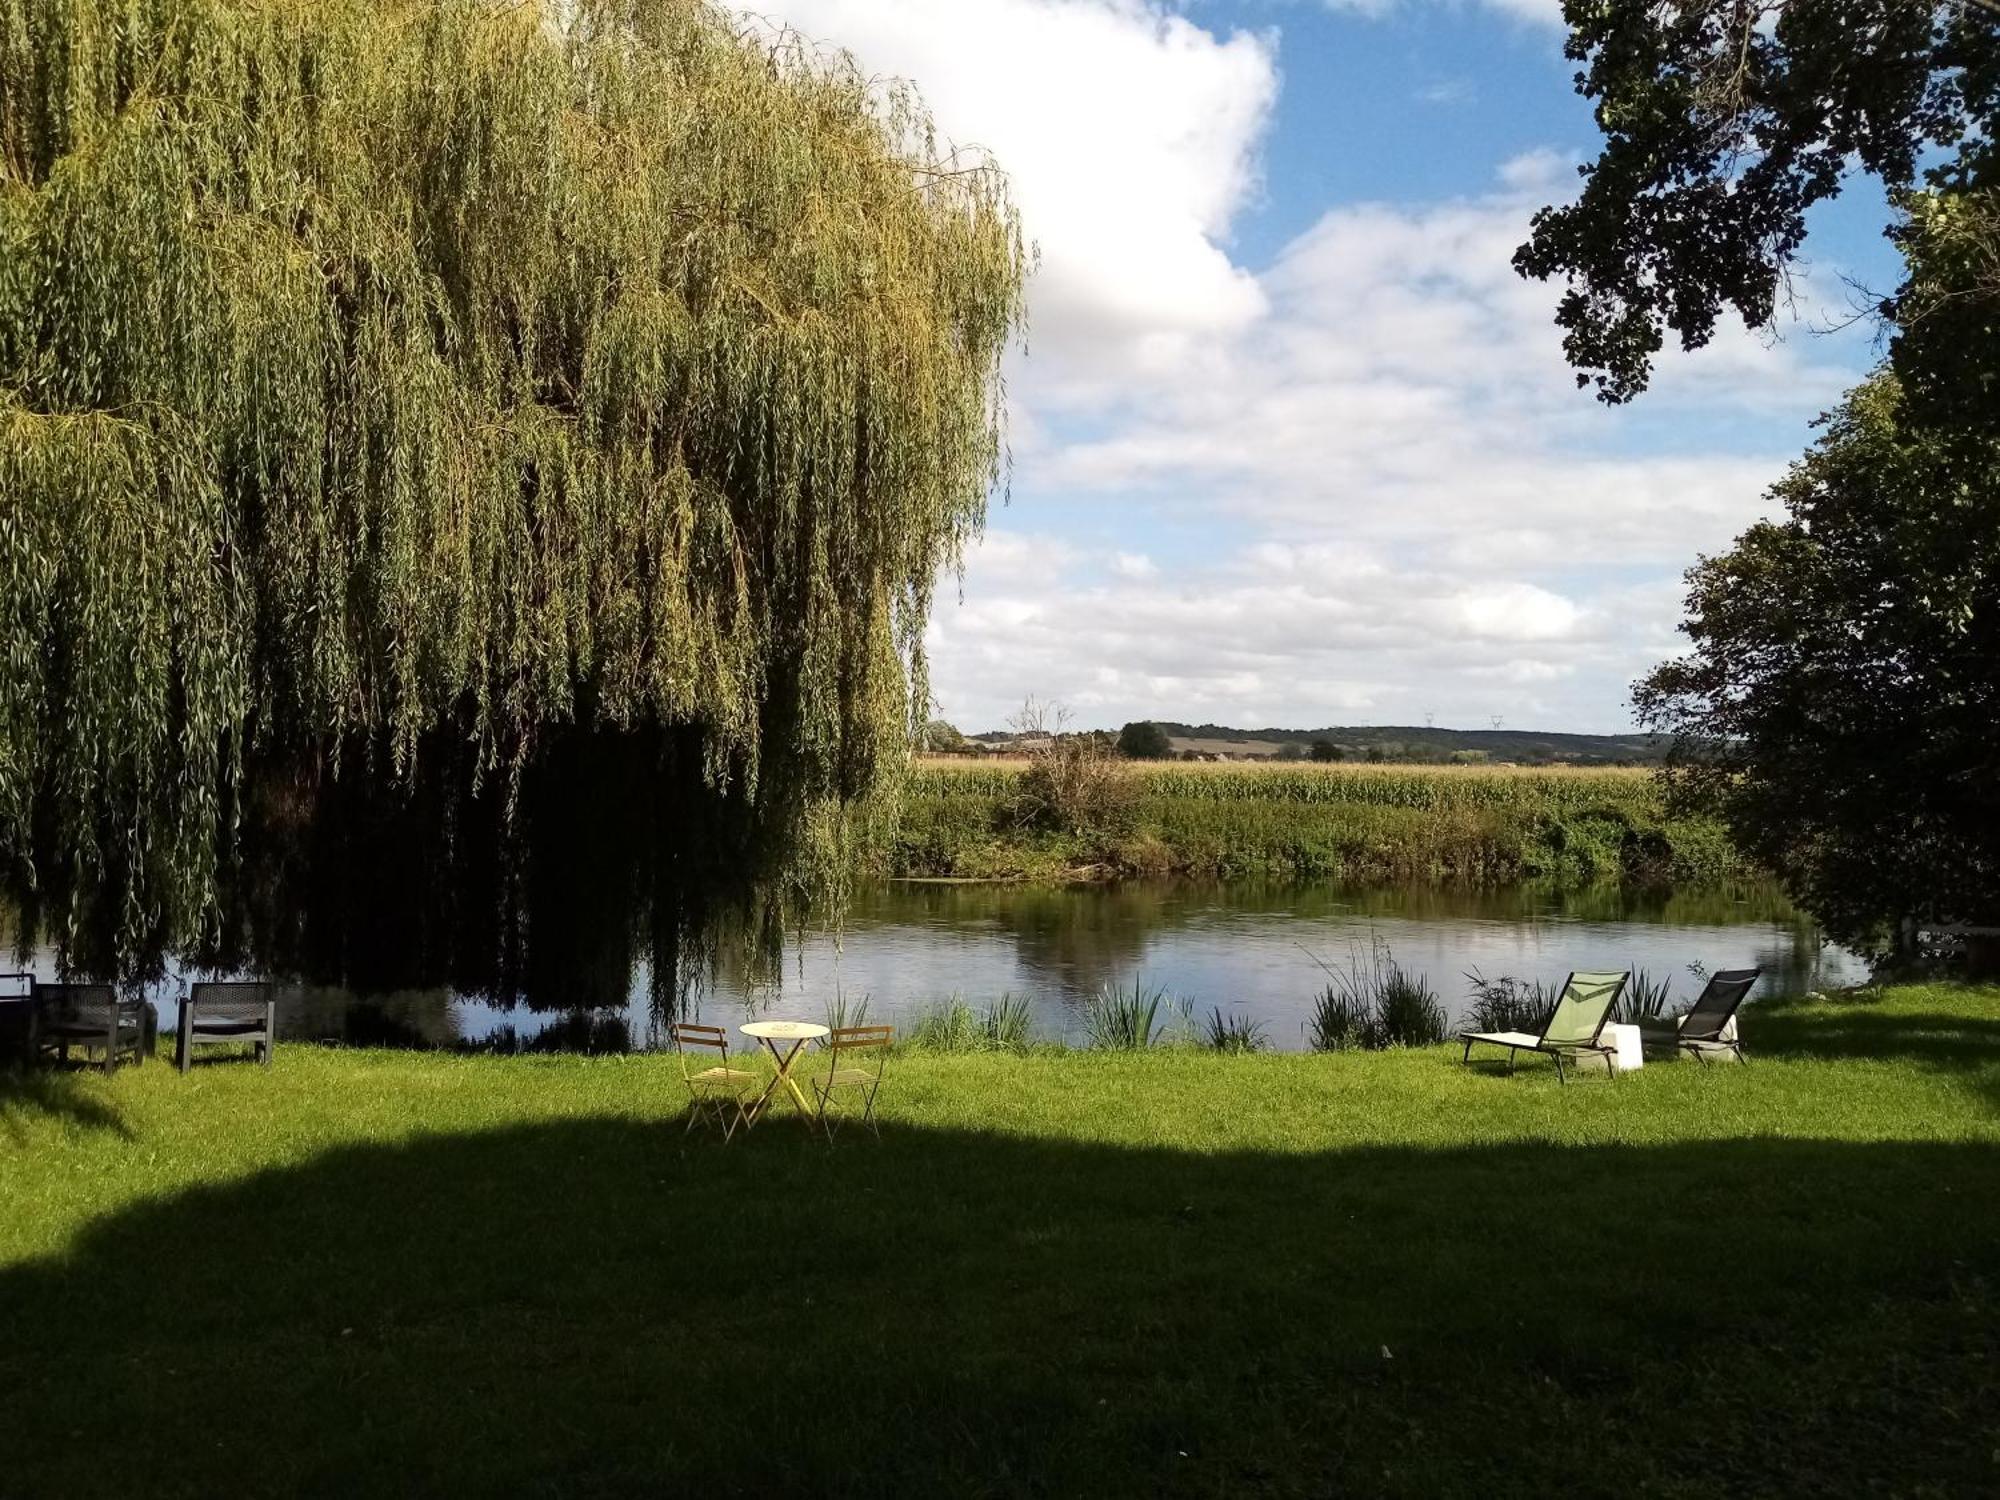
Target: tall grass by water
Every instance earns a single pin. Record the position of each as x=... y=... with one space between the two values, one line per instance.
x=953 y=1025
x=1372 y=1003
x=1232 y=1031
x=1348 y=822
x=1124 y=1017
x=1646 y=998
x=1509 y=1004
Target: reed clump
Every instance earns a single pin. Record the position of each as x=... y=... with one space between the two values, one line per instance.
x=1371 y=1003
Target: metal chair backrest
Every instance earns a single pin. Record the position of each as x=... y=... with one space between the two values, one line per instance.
x=1582 y=1008
x=858 y=1039
x=1716 y=1005
x=79 y=1004
x=230 y=999
x=687 y=1034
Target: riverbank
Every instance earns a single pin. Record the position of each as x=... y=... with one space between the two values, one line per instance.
x=1349 y=823
x=1064 y=1273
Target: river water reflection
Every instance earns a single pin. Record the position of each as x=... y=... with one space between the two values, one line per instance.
x=1246 y=947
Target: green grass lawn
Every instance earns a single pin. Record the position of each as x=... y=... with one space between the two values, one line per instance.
x=1063 y=1274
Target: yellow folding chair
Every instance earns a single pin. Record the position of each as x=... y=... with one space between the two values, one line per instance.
x=857 y=1055
x=718 y=1095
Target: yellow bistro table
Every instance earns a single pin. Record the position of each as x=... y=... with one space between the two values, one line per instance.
x=771 y=1033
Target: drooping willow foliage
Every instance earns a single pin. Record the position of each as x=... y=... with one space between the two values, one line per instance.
x=451 y=449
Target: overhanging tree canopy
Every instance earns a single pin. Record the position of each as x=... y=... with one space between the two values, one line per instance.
x=1725 y=122
x=390 y=391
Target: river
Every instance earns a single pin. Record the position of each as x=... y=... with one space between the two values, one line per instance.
x=1249 y=949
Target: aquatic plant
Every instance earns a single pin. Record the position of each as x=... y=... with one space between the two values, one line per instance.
x=1509 y=1004
x=1008 y=1023
x=1645 y=998
x=952 y=1025
x=1123 y=1017
x=948 y=1025
x=395 y=398
x=845 y=1010
x=1234 y=1032
x=1341 y=1020
x=1408 y=1012
x=1373 y=1003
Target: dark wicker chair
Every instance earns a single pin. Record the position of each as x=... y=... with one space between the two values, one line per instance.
x=91 y=1016
x=17 y=1017
x=232 y=1011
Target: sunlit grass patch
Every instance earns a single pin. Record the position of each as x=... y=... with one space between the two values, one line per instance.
x=1058 y=1272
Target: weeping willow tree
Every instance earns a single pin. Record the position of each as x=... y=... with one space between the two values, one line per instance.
x=451 y=451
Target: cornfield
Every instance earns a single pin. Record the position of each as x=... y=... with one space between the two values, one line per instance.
x=1427 y=788
x=1366 y=822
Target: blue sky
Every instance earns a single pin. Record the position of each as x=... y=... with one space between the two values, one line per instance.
x=1292 y=444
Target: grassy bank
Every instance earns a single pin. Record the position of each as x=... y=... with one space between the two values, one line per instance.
x=1337 y=822
x=1058 y=1274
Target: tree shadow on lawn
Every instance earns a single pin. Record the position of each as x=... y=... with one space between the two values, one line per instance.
x=601 y=1306
x=26 y=1093
x=1860 y=1025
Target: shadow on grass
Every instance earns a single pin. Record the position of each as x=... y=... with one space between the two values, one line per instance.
x=600 y=1307
x=27 y=1093
x=1860 y=1026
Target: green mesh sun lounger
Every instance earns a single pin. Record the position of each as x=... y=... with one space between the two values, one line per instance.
x=1572 y=1028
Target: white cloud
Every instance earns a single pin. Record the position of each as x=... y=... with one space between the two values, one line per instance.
x=1130 y=136
x=1300 y=635
x=1539 y=170
x=1356 y=484
x=1133 y=565
x=1447 y=91
x=1419 y=510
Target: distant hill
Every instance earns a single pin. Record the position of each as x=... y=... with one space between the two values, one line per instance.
x=1407 y=742
x=1496 y=744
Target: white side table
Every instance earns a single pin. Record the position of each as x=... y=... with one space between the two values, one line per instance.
x=1626 y=1039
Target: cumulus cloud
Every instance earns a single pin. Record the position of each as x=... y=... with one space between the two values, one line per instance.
x=1300 y=635
x=1130 y=136
x=1408 y=385
x=1356 y=482
x=1428 y=516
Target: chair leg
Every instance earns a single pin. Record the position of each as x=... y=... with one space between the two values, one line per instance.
x=733 y=1122
x=1556 y=1057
